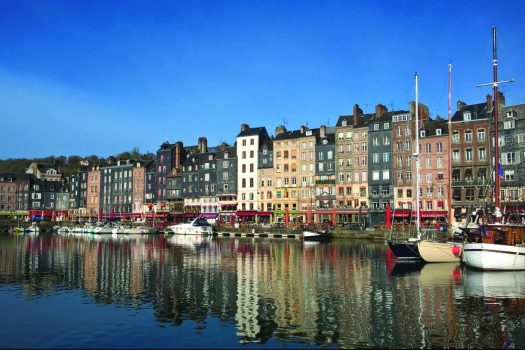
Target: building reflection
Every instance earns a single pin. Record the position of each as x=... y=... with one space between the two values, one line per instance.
x=337 y=293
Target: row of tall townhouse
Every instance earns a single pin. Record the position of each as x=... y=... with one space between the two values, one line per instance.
x=349 y=173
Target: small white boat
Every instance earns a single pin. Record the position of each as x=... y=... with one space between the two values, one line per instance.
x=315 y=236
x=33 y=228
x=198 y=226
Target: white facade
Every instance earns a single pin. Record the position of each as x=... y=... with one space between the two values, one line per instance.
x=247 y=165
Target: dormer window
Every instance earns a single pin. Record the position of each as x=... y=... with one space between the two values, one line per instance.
x=422 y=133
x=511 y=114
x=438 y=132
x=343 y=123
x=376 y=126
x=467 y=116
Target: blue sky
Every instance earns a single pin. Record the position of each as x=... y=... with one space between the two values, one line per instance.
x=102 y=77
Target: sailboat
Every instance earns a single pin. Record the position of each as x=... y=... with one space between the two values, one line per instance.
x=408 y=250
x=434 y=249
x=496 y=243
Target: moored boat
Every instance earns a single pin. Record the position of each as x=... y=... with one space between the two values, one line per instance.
x=308 y=235
x=198 y=226
x=434 y=251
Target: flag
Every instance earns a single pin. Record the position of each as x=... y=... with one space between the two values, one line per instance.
x=500 y=171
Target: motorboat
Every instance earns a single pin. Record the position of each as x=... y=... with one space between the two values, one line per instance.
x=309 y=235
x=198 y=226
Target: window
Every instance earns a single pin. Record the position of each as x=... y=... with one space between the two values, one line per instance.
x=439 y=162
x=375 y=175
x=438 y=132
x=376 y=126
x=509 y=124
x=467 y=116
x=468 y=136
x=375 y=158
x=509 y=158
x=428 y=148
x=481 y=135
x=386 y=174
x=455 y=155
x=386 y=125
x=399 y=132
x=252 y=142
x=439 y=147
x=455 y=174
x=455 y=137
x=509 y=175
x=440 y=176
x=428 y=177
x=375 y=141
x=482 y=154
x=386 y=140
x=386 y=157
x=422 y=133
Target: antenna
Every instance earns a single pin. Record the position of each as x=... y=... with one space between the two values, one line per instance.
x=285 y=121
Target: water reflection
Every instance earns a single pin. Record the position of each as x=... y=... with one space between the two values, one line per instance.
x=339 y=294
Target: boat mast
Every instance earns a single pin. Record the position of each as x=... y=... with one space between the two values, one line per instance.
x=416 y=154
x=497 y=180
x=495 y=83
x=450 y=145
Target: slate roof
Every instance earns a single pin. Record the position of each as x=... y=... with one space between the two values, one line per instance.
x=477 y=111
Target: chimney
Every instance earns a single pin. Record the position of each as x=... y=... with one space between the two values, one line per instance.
x=322 y=131
x=460 y=105
x=303 y=129
x=489 y=102
x=501 y=98
x=280 y=130
x=178 y=154
x=244 y=127
x=357 y=113
x=380 y=109
x=202 y=145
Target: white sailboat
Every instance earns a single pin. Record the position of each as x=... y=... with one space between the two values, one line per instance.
x=496 y=243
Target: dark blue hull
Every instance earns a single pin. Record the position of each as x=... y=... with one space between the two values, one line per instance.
x=404 y=250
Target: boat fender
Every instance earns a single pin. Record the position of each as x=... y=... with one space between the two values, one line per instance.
x=456 y=250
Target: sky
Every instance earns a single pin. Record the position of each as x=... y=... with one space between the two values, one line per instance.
x=101 y=77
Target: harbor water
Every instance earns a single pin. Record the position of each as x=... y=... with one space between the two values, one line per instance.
x=172 y=291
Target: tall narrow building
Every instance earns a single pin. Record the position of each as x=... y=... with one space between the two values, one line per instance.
x=249 y=142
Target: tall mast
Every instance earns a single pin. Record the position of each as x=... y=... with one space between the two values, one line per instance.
x=416 y=154
x=497 y=180
x=449 y=144
x=495 y=83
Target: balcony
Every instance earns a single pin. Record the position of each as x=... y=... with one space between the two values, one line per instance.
x=325 y=182
x=473 y=182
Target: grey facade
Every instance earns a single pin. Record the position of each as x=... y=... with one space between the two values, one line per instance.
x=226 y=159
x=325 y=167
x=150 y=188
x=78 y=189
x=380 y=171
x=511 y=131
x=116 y=190
x=199 y=175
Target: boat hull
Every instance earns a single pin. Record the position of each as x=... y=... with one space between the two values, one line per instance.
x=439 y=252
x=404 y=250
x=315 y=236
x=487 y=256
